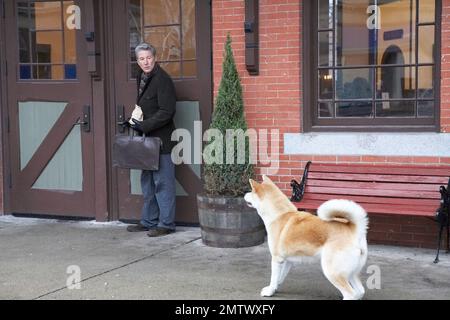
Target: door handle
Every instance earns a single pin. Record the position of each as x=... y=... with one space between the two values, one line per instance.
x=85 y=121
x=121 y=118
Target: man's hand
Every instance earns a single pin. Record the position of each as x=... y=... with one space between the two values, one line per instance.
x=137 y=125
x=125 y=124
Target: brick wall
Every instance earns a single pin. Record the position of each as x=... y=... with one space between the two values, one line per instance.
x=445 y=67
x=403 y=231
x=274 y=98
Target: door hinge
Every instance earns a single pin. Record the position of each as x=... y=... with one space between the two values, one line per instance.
x=3 y=9
x=6 y=68
x=8 y=125
x=10 y=180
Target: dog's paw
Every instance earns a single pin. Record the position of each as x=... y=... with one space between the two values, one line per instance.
x=359 y=296
x=268 y=291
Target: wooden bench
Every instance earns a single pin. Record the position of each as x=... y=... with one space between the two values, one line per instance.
x=379 y=189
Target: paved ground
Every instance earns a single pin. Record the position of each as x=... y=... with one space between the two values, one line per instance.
x=38 y=258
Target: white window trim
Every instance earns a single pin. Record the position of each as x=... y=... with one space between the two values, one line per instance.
x=368 y=144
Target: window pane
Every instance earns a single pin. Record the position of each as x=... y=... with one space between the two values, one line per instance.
x=425 y=109
x=325 y=14
x=23 y=28
x=24 y=45
x=396 y=83
x=46 y=15
x=426 y=44
x=189 y=45
x=70 y=41
x=65 y=169
x=70 y=71
x=134 y=70
x=186 y=115
x=189 y=68
x=393 y=55
x=326 y=84
x=166 y=41
x=396 y=38
x=160 y=12
x=426 y=88
x=134 y=21
x=36 y=119
x=326 y=110
x=354 y=109
x=70 y=46
x=25 y=72
x=352 y=34
x=396 y=109
x=325 y=49
x=426 y=11
x=354 y=84
x=48 y=72
x=172 y=68
x=47 y=47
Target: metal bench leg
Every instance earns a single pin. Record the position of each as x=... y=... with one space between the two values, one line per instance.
x=448 y=239
x=442 y=217
x=439 y=243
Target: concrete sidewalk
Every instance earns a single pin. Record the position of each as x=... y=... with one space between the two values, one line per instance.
x=36 y=256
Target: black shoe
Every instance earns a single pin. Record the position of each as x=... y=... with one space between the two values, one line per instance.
x=158 y=232
x=137 y=228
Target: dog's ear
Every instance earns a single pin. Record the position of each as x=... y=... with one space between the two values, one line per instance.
x=267 y=179
x=256 y=187
x=253 y=184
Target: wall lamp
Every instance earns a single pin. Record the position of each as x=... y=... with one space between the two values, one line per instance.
x=251 y=28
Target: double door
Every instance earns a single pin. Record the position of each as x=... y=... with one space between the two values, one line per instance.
x=68 y=84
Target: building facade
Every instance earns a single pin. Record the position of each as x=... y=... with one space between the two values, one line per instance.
x=343 y=81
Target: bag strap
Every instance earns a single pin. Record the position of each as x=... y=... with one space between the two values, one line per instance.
x=131 y=134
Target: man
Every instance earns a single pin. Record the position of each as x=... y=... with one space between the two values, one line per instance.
x=156 y=97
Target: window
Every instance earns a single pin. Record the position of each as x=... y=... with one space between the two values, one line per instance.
x=47 y=47
x=169 y=25
x=374 y=65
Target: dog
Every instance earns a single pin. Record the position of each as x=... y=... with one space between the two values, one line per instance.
x=337 y=235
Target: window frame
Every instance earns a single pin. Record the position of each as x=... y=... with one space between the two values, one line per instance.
x=63 y=63
x=311 y=121
x=143 y=26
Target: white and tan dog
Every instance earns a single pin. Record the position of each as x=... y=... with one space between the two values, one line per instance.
x=337 y=235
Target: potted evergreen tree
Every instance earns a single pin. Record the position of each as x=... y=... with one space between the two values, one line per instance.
x=225 y=219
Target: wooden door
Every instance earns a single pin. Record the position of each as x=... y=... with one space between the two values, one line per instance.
x=49 y=109
x=181 y=32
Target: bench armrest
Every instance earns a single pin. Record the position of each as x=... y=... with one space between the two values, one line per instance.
x=298 y=189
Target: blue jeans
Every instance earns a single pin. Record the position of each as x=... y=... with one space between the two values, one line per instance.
x=159 y=192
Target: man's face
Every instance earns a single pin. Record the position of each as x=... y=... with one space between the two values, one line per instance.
x=146 y=61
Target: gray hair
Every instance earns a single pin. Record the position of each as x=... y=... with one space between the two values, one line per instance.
x=145 y=47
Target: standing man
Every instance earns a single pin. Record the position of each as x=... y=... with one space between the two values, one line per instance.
x=156 y=97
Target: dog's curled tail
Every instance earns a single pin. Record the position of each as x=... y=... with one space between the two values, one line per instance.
x=346 y=209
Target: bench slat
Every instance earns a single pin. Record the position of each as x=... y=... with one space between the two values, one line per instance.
x=374 y=185
x=393 y=170
x=442 y=180
x=367 y=199
x=373 y=192
x=380 y=209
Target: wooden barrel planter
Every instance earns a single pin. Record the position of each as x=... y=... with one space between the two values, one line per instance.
x=228 y=222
